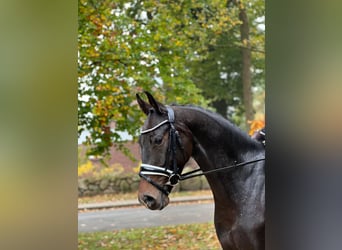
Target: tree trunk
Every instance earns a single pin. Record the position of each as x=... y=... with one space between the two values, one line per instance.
x=246 y=65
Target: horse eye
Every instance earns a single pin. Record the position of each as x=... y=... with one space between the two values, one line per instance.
x=158 y=140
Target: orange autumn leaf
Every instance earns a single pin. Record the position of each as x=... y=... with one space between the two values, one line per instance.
x=255 y=125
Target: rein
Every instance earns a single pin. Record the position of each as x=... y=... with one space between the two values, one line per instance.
x=190 y=174
x=173 y=175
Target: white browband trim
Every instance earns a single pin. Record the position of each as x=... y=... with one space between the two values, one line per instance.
x=152 y=167
x=155 y=127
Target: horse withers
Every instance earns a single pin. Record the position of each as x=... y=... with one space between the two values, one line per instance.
x=173 y=134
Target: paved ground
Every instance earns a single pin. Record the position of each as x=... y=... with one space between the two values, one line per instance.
x=140 y=217
x=134 y=202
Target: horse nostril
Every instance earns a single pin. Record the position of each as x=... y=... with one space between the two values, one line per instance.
x=149 y=200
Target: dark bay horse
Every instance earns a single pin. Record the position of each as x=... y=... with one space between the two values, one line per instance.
x=173 y=134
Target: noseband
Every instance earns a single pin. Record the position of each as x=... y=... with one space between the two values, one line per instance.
x=170 y=168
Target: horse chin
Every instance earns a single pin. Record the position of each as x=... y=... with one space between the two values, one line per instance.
x=164 y=202
x=160 y=203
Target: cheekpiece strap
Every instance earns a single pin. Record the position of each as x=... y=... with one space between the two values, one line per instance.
x=171 y=114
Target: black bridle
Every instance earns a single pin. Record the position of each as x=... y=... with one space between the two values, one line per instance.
x=170 y=168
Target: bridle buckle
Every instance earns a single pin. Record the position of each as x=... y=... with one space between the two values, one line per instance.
x=173 y=179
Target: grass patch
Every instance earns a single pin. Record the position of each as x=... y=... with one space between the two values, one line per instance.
x=190 y=237
x=133 y=195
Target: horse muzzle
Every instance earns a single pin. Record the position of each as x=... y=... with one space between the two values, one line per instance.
x=153 y=202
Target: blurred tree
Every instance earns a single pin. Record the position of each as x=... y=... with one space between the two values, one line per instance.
x=234 y=68
x=129 y=46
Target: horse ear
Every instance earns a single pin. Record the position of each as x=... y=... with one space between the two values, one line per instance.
x=144 y=106
x=160 y=108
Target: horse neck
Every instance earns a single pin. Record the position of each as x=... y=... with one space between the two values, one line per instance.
x=218 y=138
x=218 y=143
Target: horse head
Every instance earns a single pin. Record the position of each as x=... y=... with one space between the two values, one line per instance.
x=166 y=146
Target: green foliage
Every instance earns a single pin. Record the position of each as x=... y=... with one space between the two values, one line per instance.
x=194 y=236
x=129 y=46
x=163 y=47
x=219 y=74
